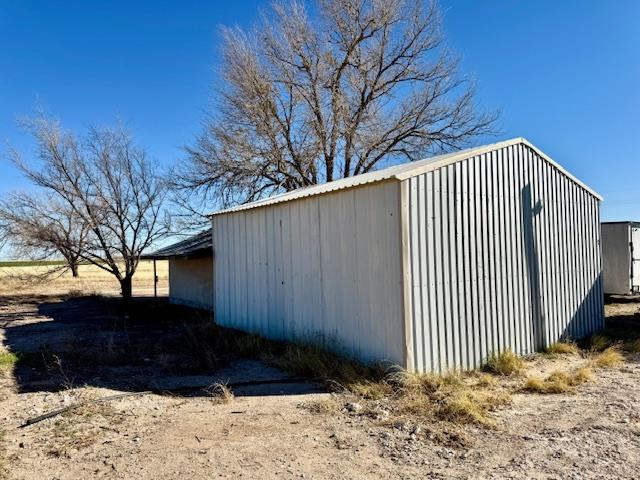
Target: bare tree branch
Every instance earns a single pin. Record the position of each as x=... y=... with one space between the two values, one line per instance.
x=310 y=98
x=42 y=228
x=106 y=184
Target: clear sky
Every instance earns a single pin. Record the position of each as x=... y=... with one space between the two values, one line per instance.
x=566 y=74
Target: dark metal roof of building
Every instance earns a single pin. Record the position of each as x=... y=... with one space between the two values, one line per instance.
x=199 y=245
x=624 y=222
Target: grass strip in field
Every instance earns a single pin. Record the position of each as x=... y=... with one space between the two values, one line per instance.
x=30 y=263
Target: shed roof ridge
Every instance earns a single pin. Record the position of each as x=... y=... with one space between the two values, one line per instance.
x=400 y=172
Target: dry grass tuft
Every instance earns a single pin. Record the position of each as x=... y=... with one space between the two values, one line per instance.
x=562 y=348
x=582 y=375
x=220 y=393
x=472 y=406
x=633 y=346
x=505 y=363
x=486 y=380
x=450 y=397
x=558 y=381
x=453 y=397
x=598 y=343
x=328 y=406
x=609 y=358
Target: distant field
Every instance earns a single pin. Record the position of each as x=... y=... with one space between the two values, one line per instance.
x=26 y=277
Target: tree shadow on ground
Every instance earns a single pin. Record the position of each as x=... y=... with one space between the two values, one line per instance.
x=146 y=344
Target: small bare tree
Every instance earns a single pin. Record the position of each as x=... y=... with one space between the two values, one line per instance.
x=307 y=98
x=42 y=228
x=110 y=185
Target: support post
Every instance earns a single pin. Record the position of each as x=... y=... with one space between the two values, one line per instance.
x=155 y=280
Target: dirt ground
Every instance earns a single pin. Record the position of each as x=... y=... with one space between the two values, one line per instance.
x=76 y=349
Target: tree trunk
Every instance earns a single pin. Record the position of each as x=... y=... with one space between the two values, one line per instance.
x=125 y=288
x=74 y=270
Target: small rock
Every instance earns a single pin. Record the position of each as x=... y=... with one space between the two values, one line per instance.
x=399 y=425
x=354 y=407
x=382 y=415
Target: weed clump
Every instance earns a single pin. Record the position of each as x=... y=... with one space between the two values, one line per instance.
x=338 y=373
x=583 y=375
x=609 y=357
x=562 y=348
x=558 y=382
x=449 y=397
x=505 y=363
x=328 y=406
x=486 y=380
x=633 y=346
x=598 y=343
x=220 y=393
x=8 y=361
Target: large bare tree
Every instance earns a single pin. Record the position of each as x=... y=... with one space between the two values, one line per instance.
x=328 y=90
x=109 y=183
x=42 y=228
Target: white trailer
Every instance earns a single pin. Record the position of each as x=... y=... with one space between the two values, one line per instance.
x=621 y=257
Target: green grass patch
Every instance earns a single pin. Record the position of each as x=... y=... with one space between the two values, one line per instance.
x=8 y=361
x=31 y=263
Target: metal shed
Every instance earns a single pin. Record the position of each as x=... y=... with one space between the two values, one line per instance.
x=432 y=265
x=621 y=257
x=190 y=270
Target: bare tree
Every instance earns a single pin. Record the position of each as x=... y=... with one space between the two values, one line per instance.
x=42 y=228
x=109 y=183
x=311 y=97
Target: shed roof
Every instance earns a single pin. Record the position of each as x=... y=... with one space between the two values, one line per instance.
x=399 y=172
x=199 y=245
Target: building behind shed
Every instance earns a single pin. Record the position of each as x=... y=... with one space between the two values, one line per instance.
x=431 y=265
x=190 y=270
x=621 y=257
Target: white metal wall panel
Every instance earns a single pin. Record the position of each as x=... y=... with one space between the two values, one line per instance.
x=325 y=268
x=617 y=255
x=190 y=282
x=504 y=252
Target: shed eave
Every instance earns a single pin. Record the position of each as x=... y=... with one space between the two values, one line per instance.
x=399 y=173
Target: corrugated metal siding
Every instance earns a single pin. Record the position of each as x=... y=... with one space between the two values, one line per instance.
x=319 y=268
x=504 y=252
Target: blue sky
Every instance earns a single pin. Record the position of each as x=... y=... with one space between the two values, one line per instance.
x=564 y=73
